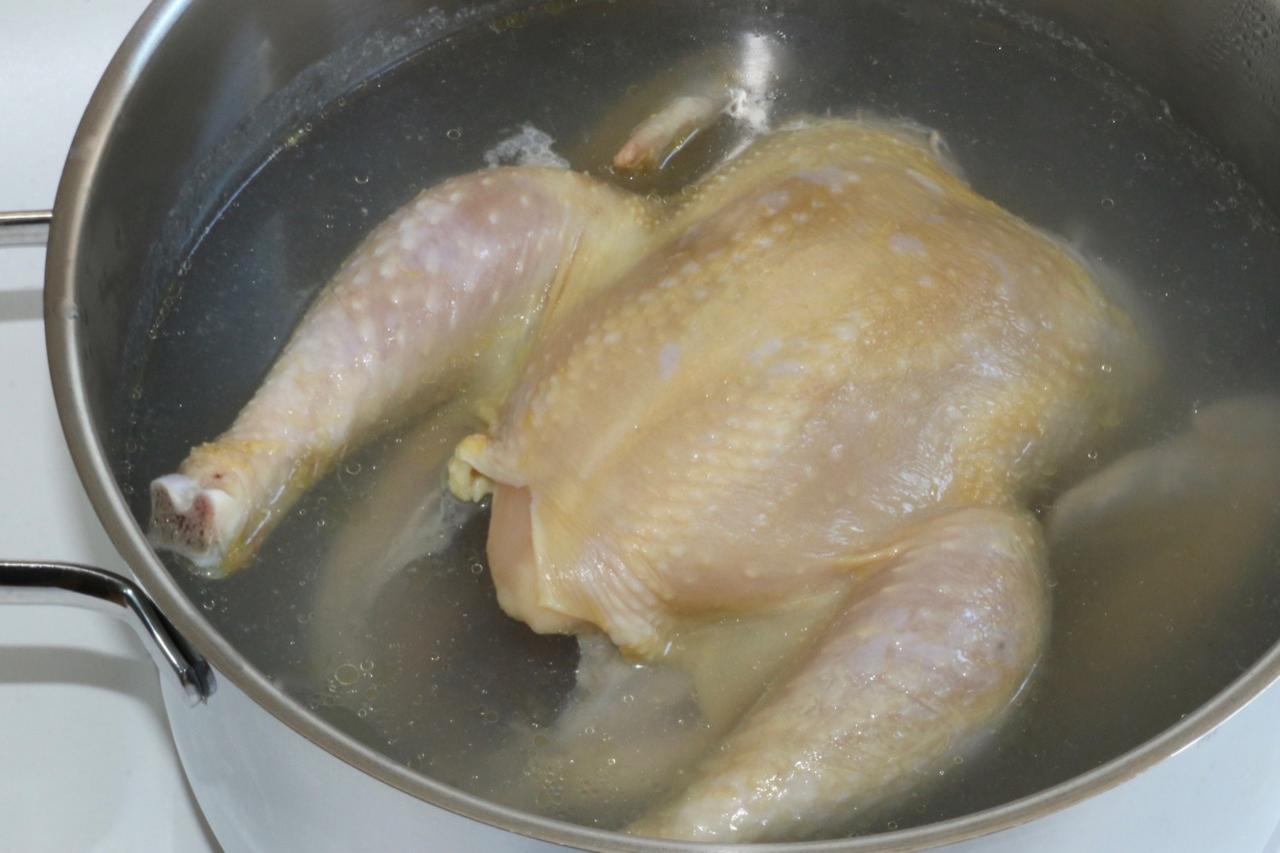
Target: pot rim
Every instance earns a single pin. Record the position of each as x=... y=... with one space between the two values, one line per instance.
x=62 y=333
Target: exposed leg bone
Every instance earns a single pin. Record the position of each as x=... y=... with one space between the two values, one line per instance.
x=459 y=271
x=739 y=81
x=661 y=136
x=920 y=663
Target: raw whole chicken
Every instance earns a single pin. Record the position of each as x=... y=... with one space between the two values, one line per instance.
x=828 y=379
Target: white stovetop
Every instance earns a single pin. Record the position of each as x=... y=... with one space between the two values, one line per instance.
x=86 y=761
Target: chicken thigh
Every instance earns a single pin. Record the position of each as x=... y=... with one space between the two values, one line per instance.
x=829 y=373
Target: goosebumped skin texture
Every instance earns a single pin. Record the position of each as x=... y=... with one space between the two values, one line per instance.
x=473 y=263
x=830 y=370
x=926 y=657
x=832 y=337
x=837 y=361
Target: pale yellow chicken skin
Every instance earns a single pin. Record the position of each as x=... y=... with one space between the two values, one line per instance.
x=831 y=371
x=835 y=338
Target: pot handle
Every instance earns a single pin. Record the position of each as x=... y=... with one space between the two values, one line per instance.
x=25 y=227
x=107 y=592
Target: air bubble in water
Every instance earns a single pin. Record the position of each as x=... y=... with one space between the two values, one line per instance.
x=346 y=674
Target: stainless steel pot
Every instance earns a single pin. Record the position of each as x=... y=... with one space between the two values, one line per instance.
x=192 y=75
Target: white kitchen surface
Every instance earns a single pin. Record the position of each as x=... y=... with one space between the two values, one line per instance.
x=86 y=761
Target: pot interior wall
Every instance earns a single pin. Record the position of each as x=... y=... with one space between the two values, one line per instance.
x=228 y=76
x=212 y=86
x=249 y=95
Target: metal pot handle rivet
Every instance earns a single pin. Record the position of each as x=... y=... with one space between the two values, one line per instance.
x=106 y=592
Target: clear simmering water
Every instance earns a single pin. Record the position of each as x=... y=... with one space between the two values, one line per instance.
x=410 y=654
